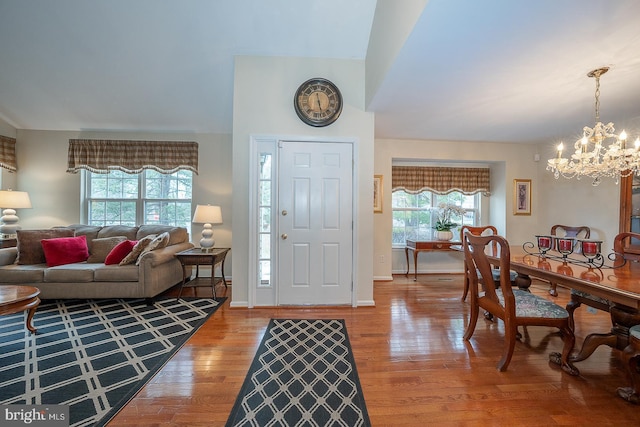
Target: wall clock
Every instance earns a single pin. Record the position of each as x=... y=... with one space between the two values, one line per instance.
x=318 y=102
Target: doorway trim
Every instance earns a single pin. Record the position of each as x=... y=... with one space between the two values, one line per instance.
x=256 y=142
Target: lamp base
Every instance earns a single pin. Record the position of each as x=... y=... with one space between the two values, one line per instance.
x=207 y=242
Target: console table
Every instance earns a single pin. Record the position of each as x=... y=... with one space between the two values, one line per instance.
x=425 y=246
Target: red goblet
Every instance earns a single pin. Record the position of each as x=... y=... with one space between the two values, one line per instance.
x=591 y=248
x=545 y=243
x=565 y=245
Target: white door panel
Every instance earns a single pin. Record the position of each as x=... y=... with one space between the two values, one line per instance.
x=315 y=222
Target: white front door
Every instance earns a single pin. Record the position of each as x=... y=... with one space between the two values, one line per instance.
x=315 y=217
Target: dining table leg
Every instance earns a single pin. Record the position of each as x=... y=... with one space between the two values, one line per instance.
x=631 y=357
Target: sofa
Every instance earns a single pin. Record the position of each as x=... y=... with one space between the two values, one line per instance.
x=82 y=261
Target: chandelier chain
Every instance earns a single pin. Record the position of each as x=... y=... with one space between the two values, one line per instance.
x=597 y=97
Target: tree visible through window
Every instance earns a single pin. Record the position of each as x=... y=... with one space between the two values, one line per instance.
x=414 y=215
x=149 y=197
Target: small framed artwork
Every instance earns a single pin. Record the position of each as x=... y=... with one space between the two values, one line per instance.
x=377 y=194
x=522 y=197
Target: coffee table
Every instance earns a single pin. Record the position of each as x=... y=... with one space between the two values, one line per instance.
x=16 y=298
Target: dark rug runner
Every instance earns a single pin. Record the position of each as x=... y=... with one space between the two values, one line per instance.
x=303 y=374
x=93 y=355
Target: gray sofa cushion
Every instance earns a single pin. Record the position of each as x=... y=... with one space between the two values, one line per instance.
x=15 y=273
x=79 y=272
x=118 y=230
x=100 y=248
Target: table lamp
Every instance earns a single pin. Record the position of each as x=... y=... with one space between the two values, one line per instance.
x=10 y=201
x=207 y=215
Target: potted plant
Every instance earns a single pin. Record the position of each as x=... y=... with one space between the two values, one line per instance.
x=444 y=222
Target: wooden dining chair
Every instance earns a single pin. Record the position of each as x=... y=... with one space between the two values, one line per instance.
x=486 y=230
x=514 y=306
x=621 y=244
x=579 y=232
x=630 y=358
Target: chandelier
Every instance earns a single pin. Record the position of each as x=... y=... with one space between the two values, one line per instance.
x=600 y=152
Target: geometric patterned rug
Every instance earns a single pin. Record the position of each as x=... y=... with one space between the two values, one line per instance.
x=303 y=374
x=93 y=355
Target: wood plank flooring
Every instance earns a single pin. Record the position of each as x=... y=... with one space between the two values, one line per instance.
x=414 y=367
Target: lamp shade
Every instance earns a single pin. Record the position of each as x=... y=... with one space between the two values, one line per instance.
x=10 y=199
x=207 y=214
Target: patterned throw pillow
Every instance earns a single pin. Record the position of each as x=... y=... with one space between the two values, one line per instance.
x=159 y=242
x=100 y=248
x=137 y=250
x=118 y=253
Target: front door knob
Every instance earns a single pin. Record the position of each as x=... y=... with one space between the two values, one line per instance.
x=284 y=236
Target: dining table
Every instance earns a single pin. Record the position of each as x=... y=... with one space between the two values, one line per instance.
x=616 y=280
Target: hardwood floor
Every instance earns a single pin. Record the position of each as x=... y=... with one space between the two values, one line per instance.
x=414 y=367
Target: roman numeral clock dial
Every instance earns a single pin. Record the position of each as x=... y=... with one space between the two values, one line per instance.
x=318 y=102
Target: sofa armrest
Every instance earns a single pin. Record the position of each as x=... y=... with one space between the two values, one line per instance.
x=8 y=256
x=160 y=256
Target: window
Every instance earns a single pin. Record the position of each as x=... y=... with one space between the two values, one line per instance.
x=264 y=223
x=414 y=215
x=149 y=197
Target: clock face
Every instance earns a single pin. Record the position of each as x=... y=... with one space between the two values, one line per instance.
x=318 y=102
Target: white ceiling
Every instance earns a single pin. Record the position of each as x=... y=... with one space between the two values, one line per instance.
x=475 y=70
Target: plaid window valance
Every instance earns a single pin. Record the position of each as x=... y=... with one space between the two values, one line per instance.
x=440 y=180
x=8 y=153
x=102 y=156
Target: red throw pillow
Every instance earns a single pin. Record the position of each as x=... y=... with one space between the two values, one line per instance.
x=65 y=250
x=118 y=253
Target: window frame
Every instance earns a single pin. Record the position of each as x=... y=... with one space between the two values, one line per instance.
x=140 y=200
x=476 y=210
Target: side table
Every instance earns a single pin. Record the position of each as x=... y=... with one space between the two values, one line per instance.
x=197 y=257
x=16 y=298
x=8 y=243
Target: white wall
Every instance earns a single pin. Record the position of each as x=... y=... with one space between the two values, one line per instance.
x=263 y=105
x=55 y=194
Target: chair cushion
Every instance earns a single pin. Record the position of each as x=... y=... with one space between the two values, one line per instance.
x=530 y=305
x=496 y=275
x=591 y=297
x=634 y=331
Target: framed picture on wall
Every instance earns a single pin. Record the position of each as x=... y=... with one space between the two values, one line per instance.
x=522 y=197
x=377 y=194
